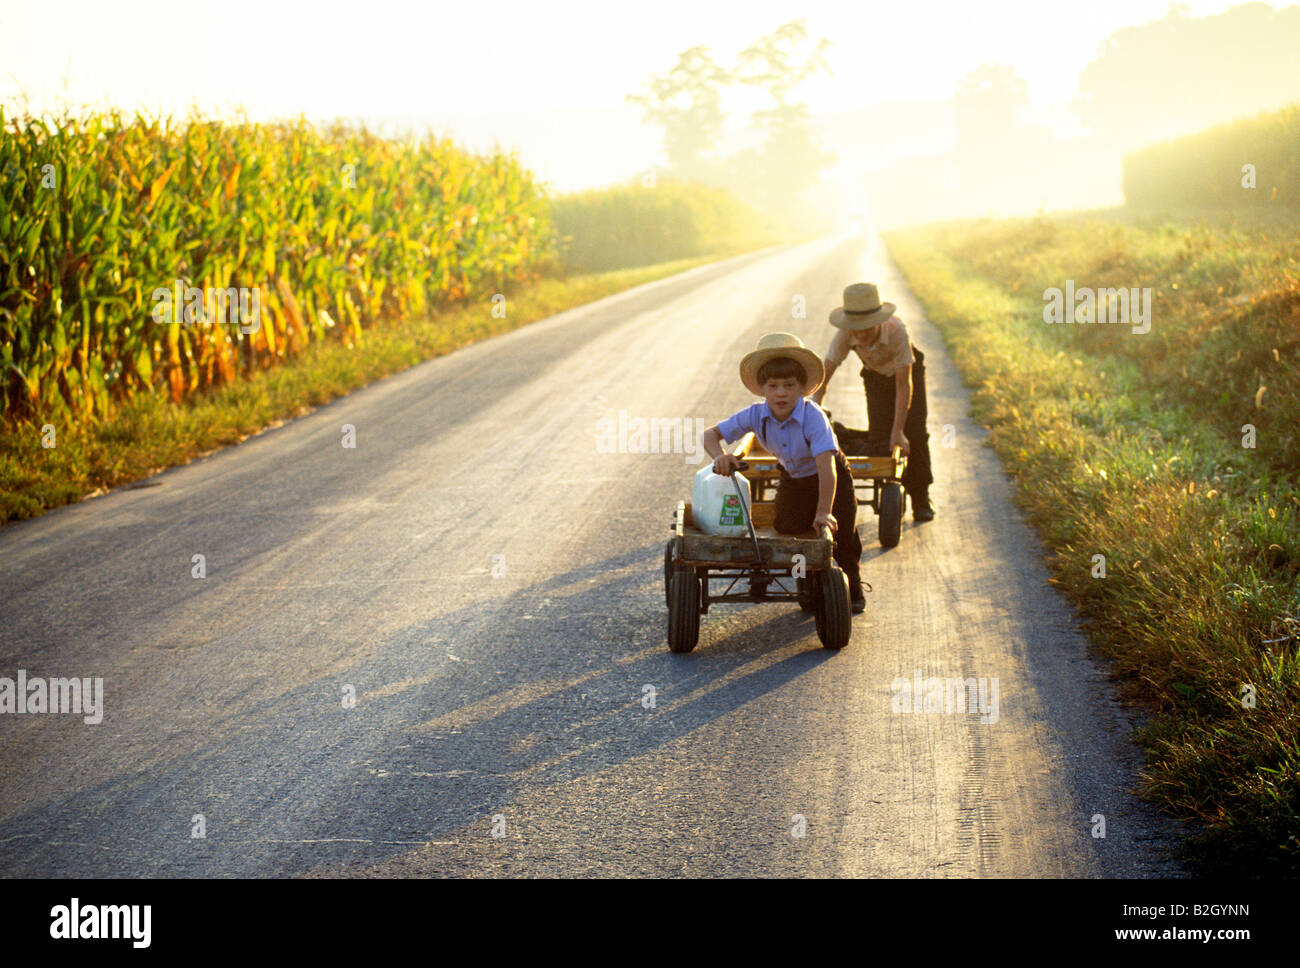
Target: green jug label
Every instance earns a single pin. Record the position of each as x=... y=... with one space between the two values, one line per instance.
x=731 y=513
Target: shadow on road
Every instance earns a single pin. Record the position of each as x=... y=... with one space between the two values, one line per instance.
x=551 y=688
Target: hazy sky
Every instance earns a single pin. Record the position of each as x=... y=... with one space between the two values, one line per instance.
x=460 y=64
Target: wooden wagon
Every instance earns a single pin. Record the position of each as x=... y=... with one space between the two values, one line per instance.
x=703 y=569
x=877 y=481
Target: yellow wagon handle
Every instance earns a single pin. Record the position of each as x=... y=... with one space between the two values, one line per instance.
x=899 y=460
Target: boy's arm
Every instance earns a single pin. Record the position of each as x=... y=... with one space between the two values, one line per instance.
x=825 y=491
x=836 y=354
x=902 y=402
x=830 y=366
x=723 y=463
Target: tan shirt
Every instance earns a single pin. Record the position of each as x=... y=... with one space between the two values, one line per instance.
x=891 y=352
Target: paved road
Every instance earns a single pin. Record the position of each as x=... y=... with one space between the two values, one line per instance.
x=487 y=583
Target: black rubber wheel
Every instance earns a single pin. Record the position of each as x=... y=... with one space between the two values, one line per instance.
x=683 y=610
x=805 y=587
x=834 y=614
x=668 y=573
x=891 y=513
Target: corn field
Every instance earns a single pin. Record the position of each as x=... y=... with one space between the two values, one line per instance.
x=635 y=224
x=1208 y=169
x=332 y=230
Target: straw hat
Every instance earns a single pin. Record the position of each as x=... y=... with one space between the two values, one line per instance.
x=862 y=308
x=774 y=345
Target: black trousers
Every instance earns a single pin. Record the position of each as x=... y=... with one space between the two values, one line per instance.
x=880 y=421
x=796 y=508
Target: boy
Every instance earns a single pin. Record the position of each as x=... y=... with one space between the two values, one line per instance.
x=893 y=375
x=815 y=488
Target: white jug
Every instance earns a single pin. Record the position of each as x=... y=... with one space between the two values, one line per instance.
x=715 y=507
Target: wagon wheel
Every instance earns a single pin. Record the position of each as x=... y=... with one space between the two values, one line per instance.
x=834 y=614
x=683 y=610
x=891 y=513
x=805 y=587
x=668 y=574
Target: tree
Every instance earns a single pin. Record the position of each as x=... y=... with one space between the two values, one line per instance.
x=776 y=65
x=791 y=158
x=687 y=101
x=1179 y=73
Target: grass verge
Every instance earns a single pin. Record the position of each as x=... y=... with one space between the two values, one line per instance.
x=149 y=433
x=1163 y=473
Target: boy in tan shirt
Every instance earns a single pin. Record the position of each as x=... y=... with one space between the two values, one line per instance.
x=893 y=375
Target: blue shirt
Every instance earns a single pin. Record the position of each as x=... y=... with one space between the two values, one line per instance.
x=795 y=441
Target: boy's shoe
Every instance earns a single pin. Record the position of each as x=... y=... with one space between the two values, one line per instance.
x=922 y=506
x=857 y=600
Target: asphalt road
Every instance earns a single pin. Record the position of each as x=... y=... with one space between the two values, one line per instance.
x=486 y=581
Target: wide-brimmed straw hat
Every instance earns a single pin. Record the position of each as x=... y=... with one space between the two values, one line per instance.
x=774 y=345
x=862 y=308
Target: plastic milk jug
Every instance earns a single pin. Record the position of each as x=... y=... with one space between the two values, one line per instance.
x=716 y=507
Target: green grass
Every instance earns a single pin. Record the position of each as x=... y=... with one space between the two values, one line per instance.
x=149 y=433
x=1205 y=168
x=1130 y=446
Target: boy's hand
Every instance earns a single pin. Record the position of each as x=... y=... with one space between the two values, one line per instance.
x=827 y=519
x=724 y=464
x=899 y=439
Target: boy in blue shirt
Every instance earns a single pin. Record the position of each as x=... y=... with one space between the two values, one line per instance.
x=816 y=487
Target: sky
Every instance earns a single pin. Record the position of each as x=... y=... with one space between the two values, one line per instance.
x=548 y=79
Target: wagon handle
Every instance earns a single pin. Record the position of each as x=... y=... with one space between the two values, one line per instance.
x=744 y=507
x=899 y=459
x=827 y=534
